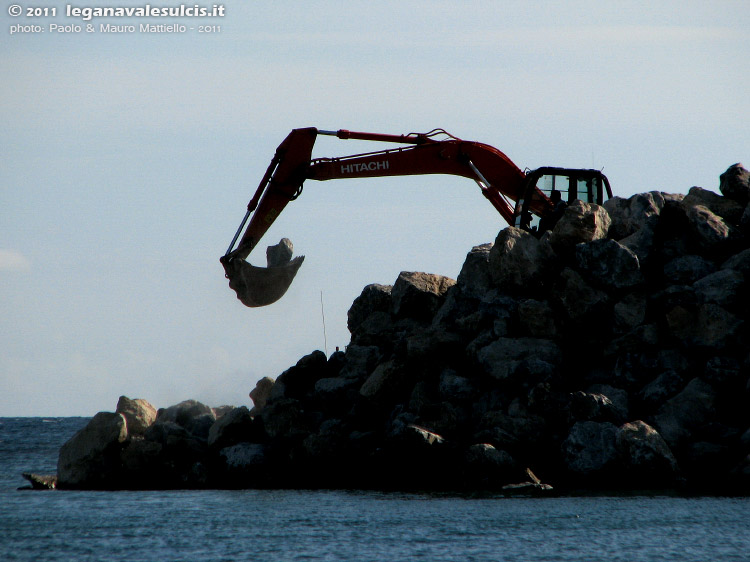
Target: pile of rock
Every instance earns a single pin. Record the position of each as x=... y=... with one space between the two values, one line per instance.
x=609 y=353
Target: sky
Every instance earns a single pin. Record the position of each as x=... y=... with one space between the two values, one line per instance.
x=129 y=159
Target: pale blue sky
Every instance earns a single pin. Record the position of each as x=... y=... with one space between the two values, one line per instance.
x=129 y=160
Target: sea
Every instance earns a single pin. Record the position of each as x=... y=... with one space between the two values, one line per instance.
x=305 y=525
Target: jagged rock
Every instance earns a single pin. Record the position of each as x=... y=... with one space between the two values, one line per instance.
x=590 y=448
x=488 y=466
x=300 y=379
x=647 y=459
x=475 y=280
x=707 y=325
x=589 y=406
x=663 y=387
x=195 y=417
x=709 y=232
x=725 y=287
x=735 y=184
x=419 y=295
x=501 y=358
x=537 y=318
x=517 y=261
x=728 y=209
x=260 y=394
x=688 y=410
x=139 y=414
x=231 y=428
x=628 y=216
x=629 y=312
x=455 y=387
x=285 y=419
x=91 y=457
x=582 y=222
x=245 y=465
x=374 y=298
x=280 y=254
x=739 y=262
x=686 y=270
x=580 y=300
x=383 y=381
x=610 y=264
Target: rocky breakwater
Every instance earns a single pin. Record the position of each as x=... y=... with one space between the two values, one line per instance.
x=608 y=354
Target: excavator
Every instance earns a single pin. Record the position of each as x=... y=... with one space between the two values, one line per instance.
x=530 y=199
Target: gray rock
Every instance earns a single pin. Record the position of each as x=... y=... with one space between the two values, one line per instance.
x=590 y=448
x=91 y=457
x=419 y=295
x=690 y=409
x=260 y=394
x=725 y=287
x=517 y=261
x=686 y=270
x=280 y=254
x=648 y=461
x=139 y=414
x=453 y=386
x=610 y=264
x=501 y=358
x=374 y=298
x=475 y=280
x=580 y=300
x=710 y=233
x=588 y=406
x=231 y=428
x=707 y=325
x=735 y=184
x=537 y=318
x=739 y=262
x=486 y=465
x=382 y=381
x=628 y=216
x=725 y=207
x=629 y=312
x=582 y=222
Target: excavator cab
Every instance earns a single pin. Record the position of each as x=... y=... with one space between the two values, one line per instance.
x=537 y=208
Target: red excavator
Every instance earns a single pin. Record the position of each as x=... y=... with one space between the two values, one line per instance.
x=530 y=200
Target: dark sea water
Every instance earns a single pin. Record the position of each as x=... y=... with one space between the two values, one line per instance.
x=340 y=525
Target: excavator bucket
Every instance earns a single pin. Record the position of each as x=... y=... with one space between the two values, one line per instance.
x=261 y=286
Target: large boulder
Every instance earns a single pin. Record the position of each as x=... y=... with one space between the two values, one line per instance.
x=195 y=417
x=609 y=264
x=502 y=358
x=139 y=414
x=374 y=298
x=231 y=428
x=475 y=280
x=725 y=207
x=518 y=261
x=689 y=410
x=260 y=394
x=590 y=449
x=297 y=381
x=628 y=216
x=419 y=295
x=91 y=458
x=647 y=460
x=735 y=184
x=582 y=222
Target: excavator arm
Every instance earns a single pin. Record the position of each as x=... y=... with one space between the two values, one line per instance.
x=436 y=152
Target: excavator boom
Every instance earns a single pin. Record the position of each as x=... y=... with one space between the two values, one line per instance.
x=507 y=188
